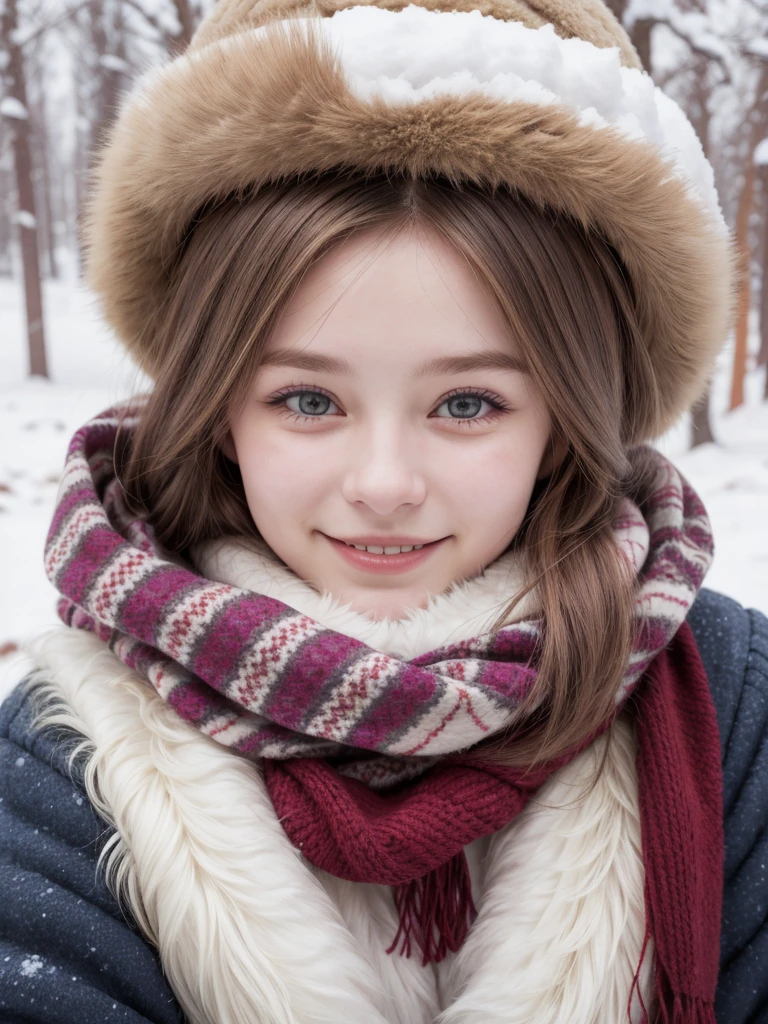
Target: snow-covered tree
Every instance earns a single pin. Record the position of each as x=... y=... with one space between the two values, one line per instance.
x=15 y=113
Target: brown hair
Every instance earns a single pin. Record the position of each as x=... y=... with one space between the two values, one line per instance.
x=569 y=305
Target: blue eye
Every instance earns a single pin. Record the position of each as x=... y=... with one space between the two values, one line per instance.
x=309 y=403
x=466 y=405
x=463 y=407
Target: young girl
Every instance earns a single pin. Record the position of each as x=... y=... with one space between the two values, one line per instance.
x=388 y=691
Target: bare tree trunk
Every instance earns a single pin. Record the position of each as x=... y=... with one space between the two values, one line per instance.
x=45 y=183
x=701 y=424
x=745 y=285
x=42 y=208
x=107 y=30
x=6 y=234
x=102 y=85
x=186 y=20
x=618 y=7
x=16 y=93
x=640 y=34
x=81 y=154
x=756 y=126
x=762 y=355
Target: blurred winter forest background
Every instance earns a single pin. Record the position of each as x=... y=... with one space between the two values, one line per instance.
x=64 y=66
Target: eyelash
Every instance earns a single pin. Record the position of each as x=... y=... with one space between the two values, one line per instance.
x=497 y=404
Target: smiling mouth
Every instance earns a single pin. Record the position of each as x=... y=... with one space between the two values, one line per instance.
x=386 y=549
x=384 y=558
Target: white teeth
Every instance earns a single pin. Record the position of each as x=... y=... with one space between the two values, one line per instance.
x=374 y=549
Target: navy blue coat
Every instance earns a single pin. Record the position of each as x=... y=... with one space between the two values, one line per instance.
x=68 y=955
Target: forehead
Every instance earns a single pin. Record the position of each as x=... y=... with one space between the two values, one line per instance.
x=406 y=295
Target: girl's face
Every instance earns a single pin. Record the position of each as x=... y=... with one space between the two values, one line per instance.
x=391 y=414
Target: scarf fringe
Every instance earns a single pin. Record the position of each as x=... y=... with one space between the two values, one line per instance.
x=669 y=1007
x=678 y=1007
x=684 y=1009
x=436 y=911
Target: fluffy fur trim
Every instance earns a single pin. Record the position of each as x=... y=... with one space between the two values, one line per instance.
x=465 y=611
x=384 y=58
x=262 y=104
x=563 y=908
x=247 y=931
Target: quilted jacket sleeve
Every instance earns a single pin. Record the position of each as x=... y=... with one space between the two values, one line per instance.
x=67 y=955
x=733 y=643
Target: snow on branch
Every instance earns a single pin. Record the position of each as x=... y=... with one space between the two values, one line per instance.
x=693 y=27
x=11 y=107
x=24 y=37
x=165 y=23
x=758 y=47
x=110 y=62
x=24 y=219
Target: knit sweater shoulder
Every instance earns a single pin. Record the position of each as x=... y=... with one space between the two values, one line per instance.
x=69 y=955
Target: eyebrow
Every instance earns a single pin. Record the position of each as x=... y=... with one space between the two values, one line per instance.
x=442 y=365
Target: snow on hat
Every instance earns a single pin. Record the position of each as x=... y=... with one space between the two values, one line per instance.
x=546 y=96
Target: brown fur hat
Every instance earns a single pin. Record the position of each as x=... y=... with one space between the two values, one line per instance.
x=546 y=96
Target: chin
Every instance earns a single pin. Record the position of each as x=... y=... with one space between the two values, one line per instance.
x=382 y=607
x=377 y=610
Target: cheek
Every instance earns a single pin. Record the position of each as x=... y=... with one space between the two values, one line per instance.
x=495 y=482
x=281 y=480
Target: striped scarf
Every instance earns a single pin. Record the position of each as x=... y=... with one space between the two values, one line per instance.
x=256 y=675
x=268 y=681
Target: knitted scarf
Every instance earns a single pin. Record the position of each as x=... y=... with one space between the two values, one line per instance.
x=327 y=714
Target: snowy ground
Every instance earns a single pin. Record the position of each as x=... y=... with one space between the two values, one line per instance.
x=89 y=372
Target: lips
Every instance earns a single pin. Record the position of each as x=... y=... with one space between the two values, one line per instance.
x=378 y=561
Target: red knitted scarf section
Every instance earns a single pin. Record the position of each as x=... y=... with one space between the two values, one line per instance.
x=419 y=832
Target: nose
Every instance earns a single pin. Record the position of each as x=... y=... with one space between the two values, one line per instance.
x=382 y=470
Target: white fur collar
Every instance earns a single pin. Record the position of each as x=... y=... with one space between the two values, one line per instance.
x=465 y=611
